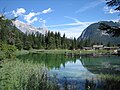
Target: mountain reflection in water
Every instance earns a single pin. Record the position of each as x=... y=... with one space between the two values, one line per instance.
x=79 y=73
x=73 y=70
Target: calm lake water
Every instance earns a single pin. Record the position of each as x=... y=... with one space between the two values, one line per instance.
x=79 y=73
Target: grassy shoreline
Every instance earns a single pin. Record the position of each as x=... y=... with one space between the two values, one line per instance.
x=62 y=51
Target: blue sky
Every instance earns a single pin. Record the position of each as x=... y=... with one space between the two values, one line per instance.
x=66 y=16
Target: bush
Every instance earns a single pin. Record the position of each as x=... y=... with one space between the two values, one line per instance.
x=2 y=56
x=7 y=51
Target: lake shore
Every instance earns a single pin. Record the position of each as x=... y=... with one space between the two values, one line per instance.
x=67 y=52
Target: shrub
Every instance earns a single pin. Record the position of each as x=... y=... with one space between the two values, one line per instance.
x=7 y=51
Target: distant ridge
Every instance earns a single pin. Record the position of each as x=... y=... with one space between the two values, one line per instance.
x=94 y=34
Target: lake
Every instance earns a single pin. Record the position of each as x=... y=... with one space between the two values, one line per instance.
x=79 y=73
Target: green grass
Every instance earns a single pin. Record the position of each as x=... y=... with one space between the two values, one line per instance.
x=20 y=52
x=62 y=51
x=14 y=74
x=17 y=75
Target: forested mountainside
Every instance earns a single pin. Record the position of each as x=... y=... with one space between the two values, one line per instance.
x=94 y=35
x=12 y=35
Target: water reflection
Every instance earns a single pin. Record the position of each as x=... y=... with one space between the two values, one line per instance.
x=76 y=65
x=74 y=73
x=72 y=70
x=49 y=60
x=104 y=65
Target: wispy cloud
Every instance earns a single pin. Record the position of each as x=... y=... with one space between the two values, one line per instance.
x=71 y=29
x=90 y=5
x=61 y=25
x=18 y=12
x=110 y=10
x=49 y=10
x=74 y=19
x=78 y=22
x=75 y=23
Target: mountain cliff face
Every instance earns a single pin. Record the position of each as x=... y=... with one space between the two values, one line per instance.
x=95 y=35
x=28 y=28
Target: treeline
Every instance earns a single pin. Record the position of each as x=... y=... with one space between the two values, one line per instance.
x=9 y=34
x=48 y=41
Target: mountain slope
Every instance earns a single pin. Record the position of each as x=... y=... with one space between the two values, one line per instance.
x=95 y=35
x=28 y=28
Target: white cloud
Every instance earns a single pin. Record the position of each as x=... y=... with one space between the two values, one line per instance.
x=49 y=10
x=76 y=20
x=110 y=10
x=72 y=24
x=73 y=29
x=90 y=5
x=33 y=20
x=18 y=12
x=29 y=17
x=32 y=16
x=76 y=23
x=113 y=19
x=43 y=22
x=70 y=32
x=61 y=25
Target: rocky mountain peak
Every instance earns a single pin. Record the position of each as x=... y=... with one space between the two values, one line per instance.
x=24 y=27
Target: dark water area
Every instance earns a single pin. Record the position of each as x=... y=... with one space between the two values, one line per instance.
x=79 y=73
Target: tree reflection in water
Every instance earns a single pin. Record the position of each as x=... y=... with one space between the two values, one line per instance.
x=72 y=73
